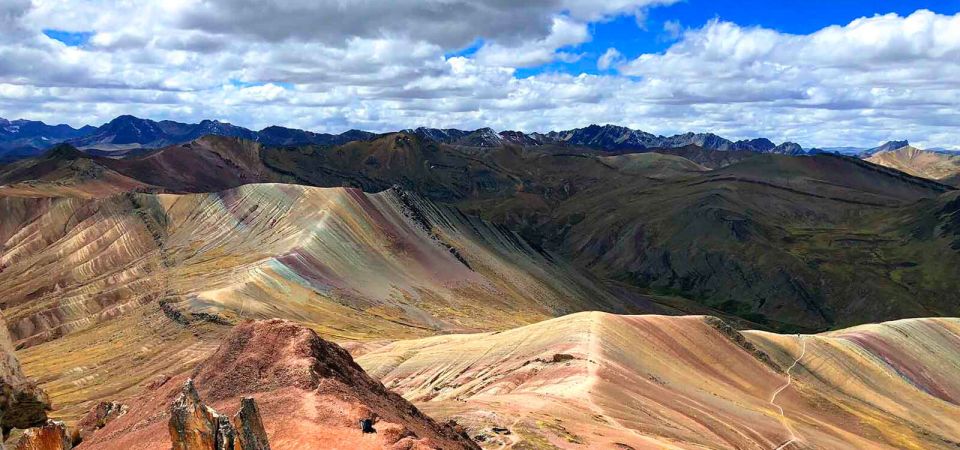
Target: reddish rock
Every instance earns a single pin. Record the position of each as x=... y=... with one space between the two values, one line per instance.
x=99 y=417
x=195 y=426
x=309 y=393
x=50 y=436
x=251 y=435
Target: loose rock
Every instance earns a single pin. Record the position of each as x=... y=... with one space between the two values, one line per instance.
x=50 y=436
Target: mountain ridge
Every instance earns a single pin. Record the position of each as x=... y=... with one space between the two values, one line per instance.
x=601 y=380
x=646 y=207
x=933 y=165
x=127 y=134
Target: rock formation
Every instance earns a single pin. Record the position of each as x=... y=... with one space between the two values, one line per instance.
x=309 y=394
x=50 y=436
x=99 y=417
x=249 y=427
x=22 y=403
x=195 y=426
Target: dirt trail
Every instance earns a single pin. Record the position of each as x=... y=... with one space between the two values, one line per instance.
x=773 y=398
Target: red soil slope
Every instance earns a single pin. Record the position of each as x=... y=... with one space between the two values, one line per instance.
x=310 y=392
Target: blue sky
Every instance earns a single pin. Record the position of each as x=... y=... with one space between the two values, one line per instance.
x=70 y=38
x=787 y=16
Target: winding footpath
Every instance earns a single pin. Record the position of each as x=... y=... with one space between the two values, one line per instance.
x=773 y=398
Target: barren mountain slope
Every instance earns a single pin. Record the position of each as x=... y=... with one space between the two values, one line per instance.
x=354 y=264
x=603 y=380
x=921 y=163
x=106 y=293
x=64 y=171
x=790 y=243
x=795 y=243
x=309 y=392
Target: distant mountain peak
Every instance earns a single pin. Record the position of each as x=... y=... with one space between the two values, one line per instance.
x=64 y=152
x=757 y=144
x=888 y=146
x=896 y=144
x=788 y=148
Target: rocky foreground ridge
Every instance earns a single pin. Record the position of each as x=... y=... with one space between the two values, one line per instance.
x=22 y=404
x=285 y=388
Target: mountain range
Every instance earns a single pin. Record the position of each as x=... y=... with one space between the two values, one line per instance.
x=744 y=234
x=126 y=135
x=559 y=290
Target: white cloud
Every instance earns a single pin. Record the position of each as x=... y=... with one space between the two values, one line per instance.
x=563 y=32
x=673 y=29
x=320 y=66
x=611 y=58
x=871 y=77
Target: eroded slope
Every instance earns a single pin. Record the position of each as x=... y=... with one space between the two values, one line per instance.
x=921 y=163
x=600 y=380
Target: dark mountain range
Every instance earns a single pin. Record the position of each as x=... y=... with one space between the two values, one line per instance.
x=32 y=128
x=132 y=132
x=280 y=136
x=616 y=138
x=757 y=145
x=482 y=138
x=22 y=138
x=130 y=136
x=788 y=148
x=609 y=138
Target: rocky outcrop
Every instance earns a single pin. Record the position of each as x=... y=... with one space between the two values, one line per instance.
x=309 y=394
x=22 y=403
x=99 y=417
x=195 y=426
x=50 y=436
x=251 y=435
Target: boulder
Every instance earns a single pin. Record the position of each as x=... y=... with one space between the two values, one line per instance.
x=51 y=436
x=99 y=417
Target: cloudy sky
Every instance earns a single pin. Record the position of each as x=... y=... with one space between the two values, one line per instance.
x=821 y=73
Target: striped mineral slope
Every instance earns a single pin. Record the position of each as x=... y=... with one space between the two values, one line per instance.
x=82 y=273
x=609 y=381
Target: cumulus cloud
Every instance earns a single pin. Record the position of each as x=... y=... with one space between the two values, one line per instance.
x=564 y=32
x=873 y=72
x=449 y=23
x=381 y=65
